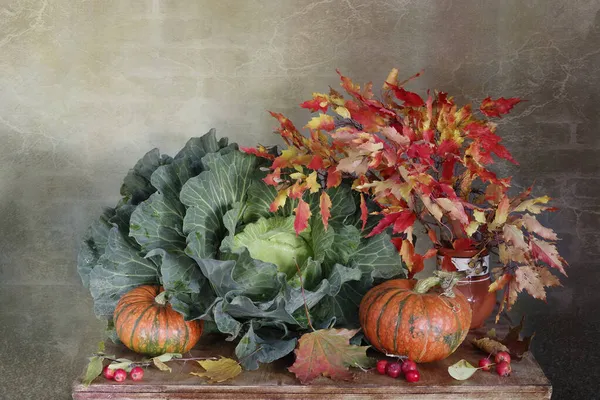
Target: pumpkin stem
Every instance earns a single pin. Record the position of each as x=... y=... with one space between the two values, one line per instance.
x=161 y=298
x=446 y=280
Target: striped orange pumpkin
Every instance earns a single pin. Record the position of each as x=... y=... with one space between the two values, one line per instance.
x=150 y=326
x=425 y=326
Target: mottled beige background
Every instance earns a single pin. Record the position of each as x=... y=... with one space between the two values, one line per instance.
x=87 y=87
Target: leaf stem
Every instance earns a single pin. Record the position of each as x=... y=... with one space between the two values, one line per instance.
x=304 y=298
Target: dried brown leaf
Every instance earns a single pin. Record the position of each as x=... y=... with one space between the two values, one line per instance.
x=219 y=370
x=489 y=346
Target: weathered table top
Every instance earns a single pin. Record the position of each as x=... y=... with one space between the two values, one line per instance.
x=274 y=381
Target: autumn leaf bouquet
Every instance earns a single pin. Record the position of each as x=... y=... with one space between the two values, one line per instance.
x=423 y=163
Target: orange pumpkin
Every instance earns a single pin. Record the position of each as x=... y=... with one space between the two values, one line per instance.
x=422 y=324
x=148 y=325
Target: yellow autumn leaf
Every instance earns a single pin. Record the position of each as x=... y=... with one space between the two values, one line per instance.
x=479 y=216
x=219 y=370
x=297 y=175
x=533 y=205
x=472 y=228
x=279 y=200
x=312 y=183
x=343 y=112
x=161 y=365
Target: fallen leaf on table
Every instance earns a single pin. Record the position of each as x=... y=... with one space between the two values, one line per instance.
x=219 y=370
x=94 y=369
x=159 y=361
x=161 y=365
x=462 y=370
x=328 y=352
x=489 y=346
x=511 y=343
x=517 y=348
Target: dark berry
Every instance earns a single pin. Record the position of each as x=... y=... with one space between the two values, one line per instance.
x=408 y=365
x=120 y=375
x=381 y=365
x=486 y=364
x=503 y=368
x=412 y=376
x=136 y=374
x=108 y=373
x=393 y=369
x=502 y=356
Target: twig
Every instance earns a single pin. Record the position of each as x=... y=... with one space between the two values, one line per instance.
x=148 y=363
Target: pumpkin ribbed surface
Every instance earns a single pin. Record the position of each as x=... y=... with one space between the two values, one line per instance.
x=150 y=328
x=422 y=326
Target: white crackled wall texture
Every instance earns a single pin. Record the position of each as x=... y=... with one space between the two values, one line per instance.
x=87 y=87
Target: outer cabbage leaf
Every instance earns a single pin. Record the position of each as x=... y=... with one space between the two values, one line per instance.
x=93 y=246
x=136 y=185
x=252 y=349
x=210 y=195
x=120 y=269
x=158 y=221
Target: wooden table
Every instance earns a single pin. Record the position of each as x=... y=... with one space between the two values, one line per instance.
x=273 y=381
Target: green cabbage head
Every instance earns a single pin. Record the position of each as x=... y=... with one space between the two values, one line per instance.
x=274 y=240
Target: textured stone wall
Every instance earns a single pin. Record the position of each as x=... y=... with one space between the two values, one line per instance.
x=87 y=87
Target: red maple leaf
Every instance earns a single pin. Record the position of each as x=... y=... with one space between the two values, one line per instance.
x=261 y=151
x=334 y=177
x=316 y=163
x=410 y=99
x=328 y=352
x=302 y=216
x=316 y=104
x=498 y=107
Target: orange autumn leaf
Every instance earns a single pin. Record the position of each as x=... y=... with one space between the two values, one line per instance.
x=302 y=216
x=322 y=122
x=274 y=178
x=325 y=204
x=414 y=261
x=501 y=212
x=364 y=213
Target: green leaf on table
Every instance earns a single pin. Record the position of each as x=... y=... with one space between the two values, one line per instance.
x=94 y=369
x=462 y=370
